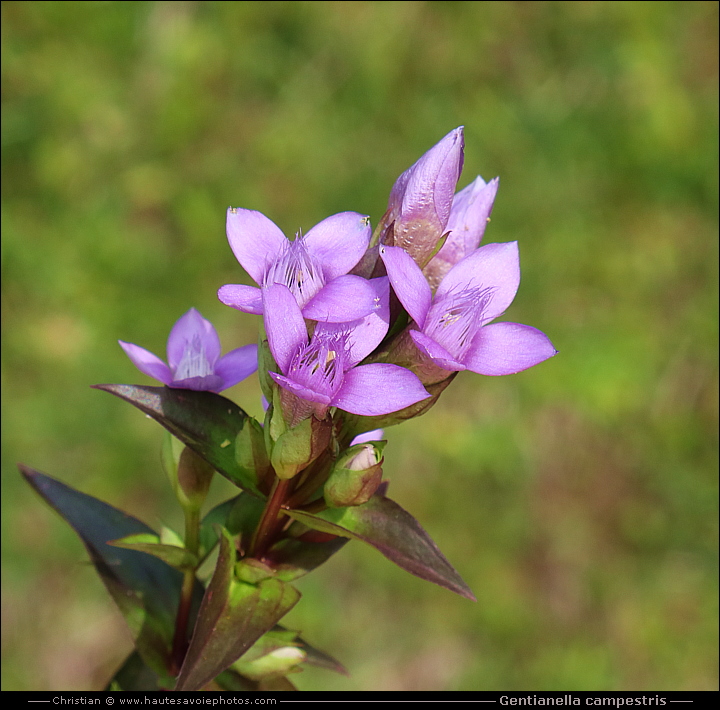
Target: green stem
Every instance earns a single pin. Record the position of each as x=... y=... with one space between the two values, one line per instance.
x=180 y=640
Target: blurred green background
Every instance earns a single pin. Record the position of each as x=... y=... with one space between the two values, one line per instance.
x=578 y=499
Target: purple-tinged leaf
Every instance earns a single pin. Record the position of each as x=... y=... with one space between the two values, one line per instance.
x=146 y=589
x=293 y=557
x=390 y=529
x=232 y=617
x=206 y=422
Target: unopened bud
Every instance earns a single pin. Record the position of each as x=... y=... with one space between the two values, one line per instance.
x=189 y=474
x=356 y=475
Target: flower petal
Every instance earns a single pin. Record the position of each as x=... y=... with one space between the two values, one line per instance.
x=247 y=299
x=284 y=324
x=344 y=299
x=374 y=435
x=507 y=348
x=468 y=219
x=381 y=388
x=365 y=334
x=303 y=392
x=255 y=240
x=494 y=266
x=147 y=363
x=408 y=282
x=339 y=242
x=188 y=327
x=237 y=365
x=436 y=352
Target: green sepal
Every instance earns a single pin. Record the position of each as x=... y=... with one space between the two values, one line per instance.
x=251 y=456
x=390 y=529
x=232 y=616
x=266 y=364
x=206 y=422
x=146 y=589
x=174 y=555
x=252 y=571
x=292 y=449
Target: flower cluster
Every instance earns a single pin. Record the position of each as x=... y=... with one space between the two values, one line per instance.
x=361 y=330
x=322 y=321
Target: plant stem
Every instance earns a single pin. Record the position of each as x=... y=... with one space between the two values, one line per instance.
x=268 y=522
x=180 y=640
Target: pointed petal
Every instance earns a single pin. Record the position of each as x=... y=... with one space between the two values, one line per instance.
x=255 y=240
x=147 y=363
x=365 y=334
x=380 y=388
x=344 y=299
x=436 y=352
x=374 y=435
x=425 y=190
x=237 y=365
x=507 y=348
x=187 y=327
x=408 y=282
x=339 y=242
x=284 y=324
x=494 y=266
x=468 y=219
x=302 y=392
x=247 y=299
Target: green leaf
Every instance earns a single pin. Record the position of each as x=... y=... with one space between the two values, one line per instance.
x=390 y=529
x=145 y=589
x=175 y=556
x=206 y=422
x=232 y=617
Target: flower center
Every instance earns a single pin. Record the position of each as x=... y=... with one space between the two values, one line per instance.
x=320 y=366
x=194 y=361
x=298 y=270
x=455 y=318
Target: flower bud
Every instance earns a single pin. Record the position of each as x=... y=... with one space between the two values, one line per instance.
x=469 y=216
x=356 y=475
x=189 y=474
x=421 y=199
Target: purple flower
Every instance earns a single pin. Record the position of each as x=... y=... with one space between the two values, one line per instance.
x=421 y=199
x=453 y=328
x=194 y=362
x=314 y=267
x=324 y=369
x=469 y=216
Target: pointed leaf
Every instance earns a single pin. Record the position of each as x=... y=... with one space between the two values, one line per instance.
x=233 y=615
x=206 y=422
x=175 y=556
x=389 y=528
x=145 y=588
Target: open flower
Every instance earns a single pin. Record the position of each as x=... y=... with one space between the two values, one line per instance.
x=469 y=216
x=324 y=369
x=422 y=197
x=452 y=327
x=194 y=362
x=314 y=267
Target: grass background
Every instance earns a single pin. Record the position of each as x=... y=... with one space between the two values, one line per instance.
x=578 y=499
